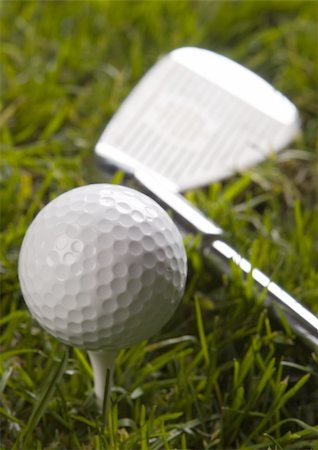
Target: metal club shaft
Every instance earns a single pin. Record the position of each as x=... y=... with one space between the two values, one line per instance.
x=301 y=320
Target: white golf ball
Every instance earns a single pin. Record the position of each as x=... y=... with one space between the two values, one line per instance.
x=102 y=267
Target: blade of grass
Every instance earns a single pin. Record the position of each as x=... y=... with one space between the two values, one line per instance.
x=43 y=400
x=201 y=331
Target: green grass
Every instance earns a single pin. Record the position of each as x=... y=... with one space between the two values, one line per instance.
x=223 y=373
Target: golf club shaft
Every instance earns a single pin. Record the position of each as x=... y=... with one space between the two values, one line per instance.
x=301 y=320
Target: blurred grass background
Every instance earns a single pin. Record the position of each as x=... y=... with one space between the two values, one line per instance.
x=223 y=373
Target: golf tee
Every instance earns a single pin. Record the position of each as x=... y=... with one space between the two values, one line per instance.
x=103 y=367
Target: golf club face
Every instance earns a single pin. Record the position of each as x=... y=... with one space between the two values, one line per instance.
x=197 y=117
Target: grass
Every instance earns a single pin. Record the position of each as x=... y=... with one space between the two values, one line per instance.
x=223 y=373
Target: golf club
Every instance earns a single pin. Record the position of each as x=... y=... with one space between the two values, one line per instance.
x=197 y=117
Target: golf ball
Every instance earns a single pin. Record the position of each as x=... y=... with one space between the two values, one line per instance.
x=102 y=267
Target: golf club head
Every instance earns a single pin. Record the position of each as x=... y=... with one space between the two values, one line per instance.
x=197 y=117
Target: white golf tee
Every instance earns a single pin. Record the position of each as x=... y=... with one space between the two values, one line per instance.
x=102 y=361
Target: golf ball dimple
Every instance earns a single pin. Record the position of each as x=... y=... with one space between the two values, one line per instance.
x=102 y=267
